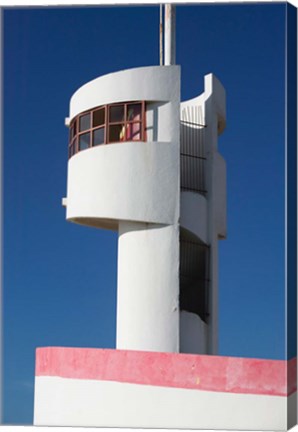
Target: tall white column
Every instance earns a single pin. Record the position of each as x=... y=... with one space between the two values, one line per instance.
x=148 y=287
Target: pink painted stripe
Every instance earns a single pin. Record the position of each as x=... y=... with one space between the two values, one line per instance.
x=201 y=372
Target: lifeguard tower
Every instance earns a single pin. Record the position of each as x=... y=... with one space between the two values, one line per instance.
x=147 y=165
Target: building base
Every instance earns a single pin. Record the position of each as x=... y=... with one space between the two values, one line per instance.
x=117 y=388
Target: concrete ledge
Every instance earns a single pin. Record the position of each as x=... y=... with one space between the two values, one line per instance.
x=118 y=388
x=201 y=372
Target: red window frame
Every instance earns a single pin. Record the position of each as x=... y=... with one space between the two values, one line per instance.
x=75 y=133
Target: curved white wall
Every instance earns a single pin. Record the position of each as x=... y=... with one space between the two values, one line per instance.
x=135 y=181
x=153 y=83
x=193 y=334
x=193 y=215
x=214 y=92
x=128 y=181
x=148 y=287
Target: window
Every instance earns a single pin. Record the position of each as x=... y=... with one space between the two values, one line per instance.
x=106 y=125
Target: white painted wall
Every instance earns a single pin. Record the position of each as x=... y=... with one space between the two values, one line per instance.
x=153 y=83
x=154 y=128
x=193 y=215
x=128 y=181
x=193 y=332
x=148 y=287
x=215 y=118
x=216 y=95
x=206 y=217
x=79 y=402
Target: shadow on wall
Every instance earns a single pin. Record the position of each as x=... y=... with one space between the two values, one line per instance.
x=152 y=120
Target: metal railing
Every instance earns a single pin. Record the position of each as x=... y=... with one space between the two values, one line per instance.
x=192 y=157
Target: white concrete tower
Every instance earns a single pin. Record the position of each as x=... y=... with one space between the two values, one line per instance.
x=123 y=174
x=146 y=165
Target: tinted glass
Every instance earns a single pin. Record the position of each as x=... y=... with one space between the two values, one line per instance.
x=71 y=150
x=84 y=141
x=84 y=122
x=133 y=132
x=98 y=117
x=116 y=113
x=74 y=144
x=116 y=133
x=134 y=112
x=99 y=136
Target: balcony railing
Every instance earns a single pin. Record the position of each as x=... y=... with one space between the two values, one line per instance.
x=192 y=157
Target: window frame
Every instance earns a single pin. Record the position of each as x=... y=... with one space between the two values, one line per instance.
x=75 y=133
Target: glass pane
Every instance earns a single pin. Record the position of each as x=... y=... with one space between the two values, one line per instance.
x=99 y=136
x=98 y=117
x=134 y=112
x=116 y=133
x=74 y=127
x=116 y=113
x=133 y=132
x=71 y=151
x=84 y=141
x=84 y=122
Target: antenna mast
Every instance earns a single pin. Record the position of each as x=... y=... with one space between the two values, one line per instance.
x=160 y=36
x=170 y=34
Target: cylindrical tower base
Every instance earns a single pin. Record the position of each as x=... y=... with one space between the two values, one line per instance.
x=148 y=287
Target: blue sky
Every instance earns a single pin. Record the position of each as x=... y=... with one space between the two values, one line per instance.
x=60 y=278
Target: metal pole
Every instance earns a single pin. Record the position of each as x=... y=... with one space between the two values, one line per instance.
x=160 y=36
x=170 y=34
